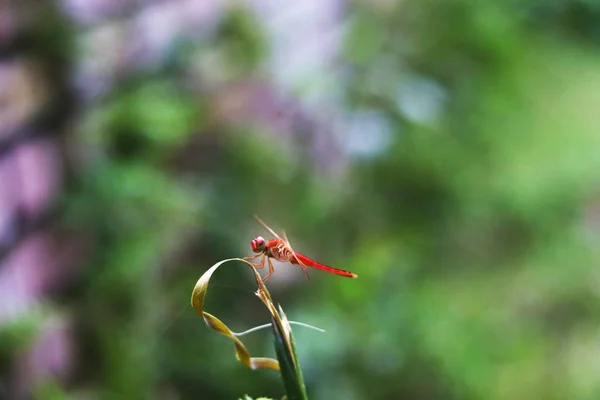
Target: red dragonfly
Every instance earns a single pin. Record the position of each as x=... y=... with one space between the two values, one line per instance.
x=281 y=250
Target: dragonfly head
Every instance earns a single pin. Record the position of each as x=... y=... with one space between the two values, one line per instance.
x=258 y=244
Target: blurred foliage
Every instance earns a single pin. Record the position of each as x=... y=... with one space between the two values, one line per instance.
x=470 y=231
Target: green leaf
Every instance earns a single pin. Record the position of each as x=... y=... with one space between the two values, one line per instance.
x=288 y=358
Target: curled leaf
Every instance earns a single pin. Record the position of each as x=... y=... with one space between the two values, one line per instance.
x=287 y=362
x=242 y=353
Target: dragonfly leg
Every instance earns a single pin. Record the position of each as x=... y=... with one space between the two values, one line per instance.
x=252 y=257
x=271 y=270
x=257 y=265
x=261 y=263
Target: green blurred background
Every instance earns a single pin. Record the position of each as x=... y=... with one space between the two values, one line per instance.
x=447 y=152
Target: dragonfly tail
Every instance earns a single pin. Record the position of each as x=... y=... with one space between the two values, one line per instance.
x=310 y=263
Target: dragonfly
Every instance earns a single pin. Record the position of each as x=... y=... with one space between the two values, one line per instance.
x=280 y=249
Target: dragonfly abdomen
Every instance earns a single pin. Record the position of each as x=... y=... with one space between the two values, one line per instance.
x=311 y=263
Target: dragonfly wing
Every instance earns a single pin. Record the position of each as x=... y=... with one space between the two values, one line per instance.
x=266 y=227
x=295 y=256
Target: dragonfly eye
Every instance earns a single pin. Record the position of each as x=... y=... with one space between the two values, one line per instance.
x=258 y=244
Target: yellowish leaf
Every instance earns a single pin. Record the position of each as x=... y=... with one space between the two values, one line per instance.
x=242 y=353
